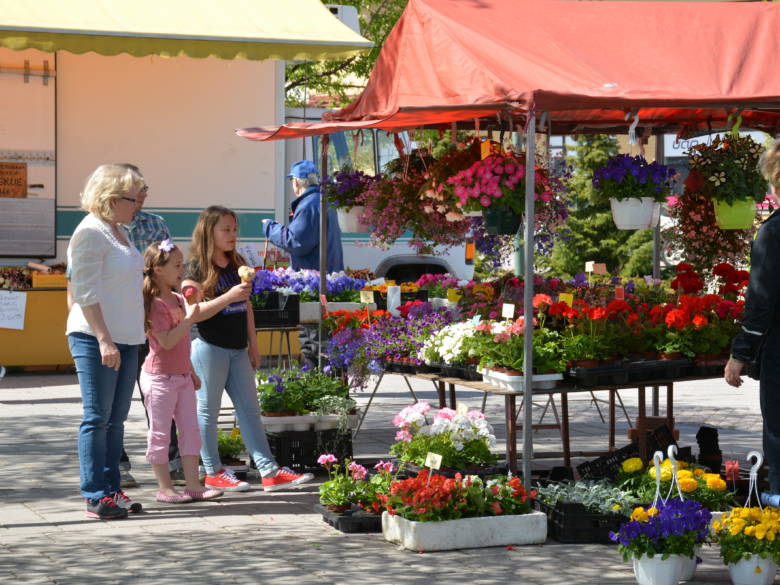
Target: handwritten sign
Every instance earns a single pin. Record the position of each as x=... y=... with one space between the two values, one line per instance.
x=461 y=408
x=567 y=298
x=366 y=297
x=12 y=307
x=13 y=180
x=599 y=268
x=507 y=311
x=433 y=460
x=589 y=266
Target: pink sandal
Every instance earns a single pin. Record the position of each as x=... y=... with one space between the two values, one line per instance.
x=208 y=494
x=173 y=499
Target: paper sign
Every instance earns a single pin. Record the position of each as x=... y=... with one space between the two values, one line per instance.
x=599 y=268
x=461 y=408
x=366 y=297
x=390 y=282
x=507 y=311
x=324 y=300
x=454 y=295
x=488 y=147
x=620 y=293
x=433 y=460
x=589 y=266
x=12 y=307
x=566 y=298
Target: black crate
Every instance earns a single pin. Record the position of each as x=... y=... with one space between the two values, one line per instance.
x=574 y=524
x=278 y=311
x=608 y=466
x=381 y=298
x=606 y=375
x=351 y=521
x=299 y=450
x=619 y=374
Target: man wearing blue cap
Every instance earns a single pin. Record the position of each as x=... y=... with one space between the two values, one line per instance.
x=301 y=238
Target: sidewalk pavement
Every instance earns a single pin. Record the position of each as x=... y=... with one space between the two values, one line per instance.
x=276 y=538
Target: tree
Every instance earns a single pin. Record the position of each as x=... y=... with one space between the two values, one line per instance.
x=593 y=235
x=341 y=79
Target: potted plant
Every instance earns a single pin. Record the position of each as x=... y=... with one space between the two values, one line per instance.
x=433 y=512
x=726 y=171
x=634 y=189
x=340 y=491
x=748 y=543
x=230 y=447
x=463 y=440
x=342 y=191
x=661 y=540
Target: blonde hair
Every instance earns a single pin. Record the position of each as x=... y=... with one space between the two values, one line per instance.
x=769 y=164
x=153 y=257
x=202 y=249
x=106 y=184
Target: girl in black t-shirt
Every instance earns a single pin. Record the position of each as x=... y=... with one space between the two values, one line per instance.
x=224 y=351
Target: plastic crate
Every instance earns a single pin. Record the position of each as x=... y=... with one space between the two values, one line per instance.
x=299 y=450
x=41 y=280
x=574 y=524
x=275 y=315
x=619 y=374
x=351 y=521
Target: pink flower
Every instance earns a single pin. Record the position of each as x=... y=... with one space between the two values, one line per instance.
x=385 y=466
x=445 y=413
x=358 y=471
x=493 y=315
x=403 y=435
x=327 y=460
x=485 y=201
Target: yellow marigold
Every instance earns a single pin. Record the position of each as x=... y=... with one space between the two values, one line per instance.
x=639 y=515
x=683 y=464
x=736 y=526
x=749 y=530
x=760 y=532
x=632 y=465
x=684 y=474
x=666 y=473
x=698 y=472
x=770 y=535
x=652 y=511
x=716 y=483
x=717 y=526
x=688 y=484
x=666 y=463
x=711 y=475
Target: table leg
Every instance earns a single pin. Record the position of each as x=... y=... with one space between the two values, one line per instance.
x=670 y=405
x=370 y=400
x=281 y=355
x=289 y=349
x=565 y=430
x=511 y=433
x=640 y=424
x=612 y=420
x=453 y=401
x=442 y=393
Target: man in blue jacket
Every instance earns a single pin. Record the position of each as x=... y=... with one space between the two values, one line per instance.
x=301 y=238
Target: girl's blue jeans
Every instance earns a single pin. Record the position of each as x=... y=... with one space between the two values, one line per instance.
x=105 y=394
x=229 y=369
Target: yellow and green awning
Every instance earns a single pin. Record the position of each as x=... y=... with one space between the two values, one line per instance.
x=228 y=29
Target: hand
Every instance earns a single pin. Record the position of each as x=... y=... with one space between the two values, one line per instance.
x=109 y=355
x=195 y=381
x=264 y=225
x=254 y=357
x=733 y=372
x=191 y=313
x=239 y=293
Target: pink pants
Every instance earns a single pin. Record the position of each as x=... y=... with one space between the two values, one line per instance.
x=166 y=397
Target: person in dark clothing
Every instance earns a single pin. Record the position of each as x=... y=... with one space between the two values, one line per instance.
x=759 y=338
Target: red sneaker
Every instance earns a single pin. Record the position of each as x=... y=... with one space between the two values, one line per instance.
x=225 y=481
x=285 y=478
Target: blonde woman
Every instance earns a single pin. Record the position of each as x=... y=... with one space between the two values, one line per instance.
x=105 y=326
x=759 y=339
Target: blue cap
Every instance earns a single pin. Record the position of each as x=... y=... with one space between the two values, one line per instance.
x=302 y=169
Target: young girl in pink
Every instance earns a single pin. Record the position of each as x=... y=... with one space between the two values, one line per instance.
x=167 y=379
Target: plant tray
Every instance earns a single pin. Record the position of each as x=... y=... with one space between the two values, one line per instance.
x=516 y=383
x=317 y=422
x=299 y=450
x=381 y=298
x=573 y=523
x=607 y=466
x=619 y=374
x=351 y=521
x=276 y=315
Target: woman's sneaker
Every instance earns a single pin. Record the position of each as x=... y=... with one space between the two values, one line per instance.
x=285 y=478
x=122 y=500
x=226 y=481
x=105 y=509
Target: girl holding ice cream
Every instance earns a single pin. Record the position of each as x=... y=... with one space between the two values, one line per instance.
x=167 y=380
x=224 y=350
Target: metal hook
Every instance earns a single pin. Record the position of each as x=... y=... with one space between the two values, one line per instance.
x=753 y=485
x=658 y=456
x=671 y=452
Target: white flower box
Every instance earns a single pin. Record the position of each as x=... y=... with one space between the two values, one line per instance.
x=516 y=383
x=480 y=532
x=309 y=312
x=306 y=422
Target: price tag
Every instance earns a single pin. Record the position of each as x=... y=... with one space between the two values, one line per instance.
x=366 y=297
x=589 y=266
x=566 y=298
x=507 y=311
x=390 y=282
x=454 y=295
x=620 y=293
x=461 y=408
x=433 y=460
x=476 y=319
x=324 y=301
x=599 y=268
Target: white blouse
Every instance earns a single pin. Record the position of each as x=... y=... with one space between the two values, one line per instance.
x=106 y=271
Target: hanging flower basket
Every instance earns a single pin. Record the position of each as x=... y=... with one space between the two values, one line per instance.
x=753 y=571
x=738 y=216
x=350 y=220
x=633 y=214
x=501 y=221
x=659 y=571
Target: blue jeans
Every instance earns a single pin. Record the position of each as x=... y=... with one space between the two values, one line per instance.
x=229 y=369
x=105 y=396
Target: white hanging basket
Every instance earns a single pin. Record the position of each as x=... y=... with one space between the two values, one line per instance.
x=349 y=220
x=633 y=214
x=744 y=572
x=658 y=571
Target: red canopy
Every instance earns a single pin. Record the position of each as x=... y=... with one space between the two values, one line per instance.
x=586 y=63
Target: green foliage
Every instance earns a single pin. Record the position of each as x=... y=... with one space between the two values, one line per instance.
x=342 y=79
x=230 y=445
x=296 y=390
x=455 y=456
x=597 y=496
x=593 y=232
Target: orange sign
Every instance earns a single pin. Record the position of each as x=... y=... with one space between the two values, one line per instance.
x=13 y=180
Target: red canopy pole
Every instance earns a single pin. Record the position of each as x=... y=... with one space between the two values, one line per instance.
x=528 y=297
